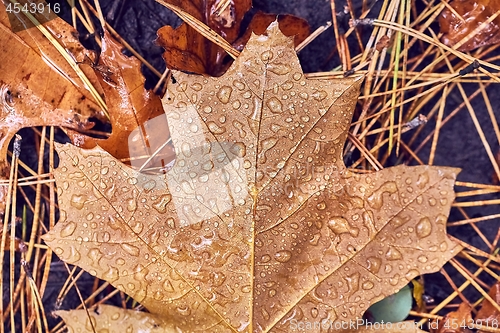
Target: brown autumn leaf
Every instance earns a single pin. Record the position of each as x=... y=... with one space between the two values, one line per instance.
x=187 y=50
x=130 y=106
x=290 y=26
x=37 y=85
x=259 y=224
x=455 y=321
x=466 y=16
x=489 y=315
x=461 y=321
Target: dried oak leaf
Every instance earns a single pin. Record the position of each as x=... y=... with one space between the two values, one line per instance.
x=37 y=85
x=259 y=223
x=130 y=106
x=454 y=322
x=489 y=315
x=290 y=26
x=187 y=50
x=466 y=16
x=461 y=320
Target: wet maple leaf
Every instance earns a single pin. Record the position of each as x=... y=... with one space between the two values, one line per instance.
x=259 y=224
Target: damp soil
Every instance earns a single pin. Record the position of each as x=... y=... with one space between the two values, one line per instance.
x=458 y=146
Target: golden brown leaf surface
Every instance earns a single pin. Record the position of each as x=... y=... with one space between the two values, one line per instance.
x=466 y=16
x=259 y=223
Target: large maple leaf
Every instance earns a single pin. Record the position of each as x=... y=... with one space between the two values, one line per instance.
x=259 y=224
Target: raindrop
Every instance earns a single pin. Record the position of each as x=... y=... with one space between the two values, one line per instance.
x=319 y=95
x=279 y=69
x=167 y=286
x=78 y=201
x=267 y=144
x=236 y=105
x=69 y=229
x=283 y=256
x=423 y=179
x=209 y=165
x=266 y=55
x=224 y=94
x=193 y=128
x=297 y=76
x=214 y=128
x=322 y=206
x=161 y=205
x=423 y=259
x=238 y=84
x=424 y=228
x=265 y=258
x=367 y=285
x=130 y=249
x=287 y=85
x=131 y=205
x=196 y=86
x=374 y=264
x=393 y=254
x=274 y=105
x=375 y=200
x=239 y=149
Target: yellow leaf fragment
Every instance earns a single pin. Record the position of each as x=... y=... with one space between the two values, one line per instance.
x=112 y=319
